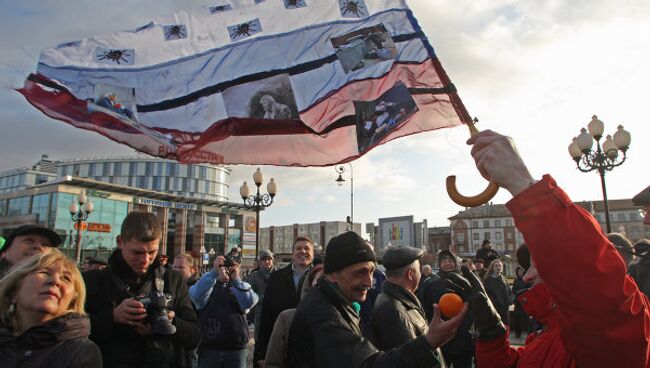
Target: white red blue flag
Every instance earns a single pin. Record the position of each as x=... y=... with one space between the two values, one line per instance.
x=280 y=82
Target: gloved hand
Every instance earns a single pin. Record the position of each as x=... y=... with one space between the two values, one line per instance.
x=485 y=317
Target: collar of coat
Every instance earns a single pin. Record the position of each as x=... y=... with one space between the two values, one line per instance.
x=66 y=327
x=404 y=296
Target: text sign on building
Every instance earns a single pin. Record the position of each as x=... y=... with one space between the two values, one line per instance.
x=94 y=227
x=396 y=231
x=168 y=204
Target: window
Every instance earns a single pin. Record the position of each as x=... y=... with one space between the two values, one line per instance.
x=117 y=169
x=40 y=207
x=509 y=236
x=621 y=217
x=460 y=237
x=91 y=169
x=3 y=207
x=475 y=224
x=18 y=206
x=497 y=236
x=508 y=222
x=486 y=236
x=497 y=223
x=475 y=236
x=486 y=223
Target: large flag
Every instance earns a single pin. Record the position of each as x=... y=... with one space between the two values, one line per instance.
x=280 y=82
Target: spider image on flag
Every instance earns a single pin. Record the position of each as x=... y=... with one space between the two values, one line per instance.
x=290 y=83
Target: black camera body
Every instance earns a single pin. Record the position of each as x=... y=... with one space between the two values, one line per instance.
x=228 y=262
x=157 y=304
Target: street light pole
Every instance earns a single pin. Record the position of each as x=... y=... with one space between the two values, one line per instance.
x=258 y=201
x=340 y=170
x=604 y=158
x=79 y=214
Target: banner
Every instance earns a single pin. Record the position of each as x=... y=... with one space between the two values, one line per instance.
x=306 y=83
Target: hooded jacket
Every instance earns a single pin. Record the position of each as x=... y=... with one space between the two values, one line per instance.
x=325 y=333
x=121 y=346
x=463 y=342
x=61 y=342
x=584 y=326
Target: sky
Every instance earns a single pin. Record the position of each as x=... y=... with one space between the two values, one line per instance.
x=533 y=70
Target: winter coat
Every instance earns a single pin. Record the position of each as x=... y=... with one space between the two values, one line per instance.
x=276 y=354
x=5 y=266
x=61 y=342
x=121 y=346
x=397 y=317
x=325 y=333
x=595 y=318
x=280 y=294
x=499 y=292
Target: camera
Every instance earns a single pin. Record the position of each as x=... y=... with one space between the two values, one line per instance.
x=228 y=262
x=157 y=304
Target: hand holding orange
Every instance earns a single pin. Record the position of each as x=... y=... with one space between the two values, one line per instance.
x=450 y=304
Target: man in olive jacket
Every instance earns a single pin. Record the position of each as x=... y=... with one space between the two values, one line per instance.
x=120 y=325
x=325 y=330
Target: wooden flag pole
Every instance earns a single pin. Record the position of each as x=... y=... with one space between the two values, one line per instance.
x=476 y=200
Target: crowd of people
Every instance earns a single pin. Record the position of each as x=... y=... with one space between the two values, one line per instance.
x=339 y=309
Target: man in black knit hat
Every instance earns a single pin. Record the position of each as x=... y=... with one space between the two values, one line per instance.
x=325 y=331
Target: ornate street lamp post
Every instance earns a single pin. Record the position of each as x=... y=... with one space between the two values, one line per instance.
x=604 y=158
x=258 y=201
x=340 y=170
x=79 y=215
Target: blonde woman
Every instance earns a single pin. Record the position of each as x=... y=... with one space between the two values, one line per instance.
x=498 y=290
x=42 y=318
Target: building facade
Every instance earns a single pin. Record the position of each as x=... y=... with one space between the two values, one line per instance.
x=279 y=239
x=194 y=221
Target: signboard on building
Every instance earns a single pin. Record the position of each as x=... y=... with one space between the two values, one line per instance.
x=94 y=227
x=248 y=251
x=168 y=204
x=396 y=231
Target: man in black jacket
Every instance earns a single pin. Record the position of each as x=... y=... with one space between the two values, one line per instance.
x=325 y=331
x=282 y=292
x=398 y=316
x=121 y=326
x=459 y=351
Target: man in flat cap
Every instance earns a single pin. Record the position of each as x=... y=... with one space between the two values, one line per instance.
x=325 y=331
x=25 y=241
x=398 y=316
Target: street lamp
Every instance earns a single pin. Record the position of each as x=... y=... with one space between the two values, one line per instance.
x=340 y=170
x=258 y=201
x=604 y=158
x=79 y=215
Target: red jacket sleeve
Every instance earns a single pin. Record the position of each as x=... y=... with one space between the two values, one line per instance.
x=497 y=353
x=604 y=319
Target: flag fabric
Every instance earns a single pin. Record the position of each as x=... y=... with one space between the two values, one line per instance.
x=279 y=82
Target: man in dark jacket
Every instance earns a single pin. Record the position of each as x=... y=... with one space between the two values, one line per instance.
x=325 y=331
x=282 y=291
x=397 y=316
x=486 y=253
x=459 y=351
x=121 y=326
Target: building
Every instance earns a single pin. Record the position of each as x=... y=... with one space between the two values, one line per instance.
x=193 y=220
x=439 y=239
x=494 y=222
x=400 y=230
x=279 y=239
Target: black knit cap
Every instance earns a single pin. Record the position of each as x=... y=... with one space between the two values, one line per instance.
x=345 y=250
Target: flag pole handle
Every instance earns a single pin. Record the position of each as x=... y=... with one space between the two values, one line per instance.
x=478 y=199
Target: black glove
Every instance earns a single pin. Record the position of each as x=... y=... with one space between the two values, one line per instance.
x=486 y=319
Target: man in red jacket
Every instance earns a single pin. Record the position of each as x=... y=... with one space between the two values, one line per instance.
x=593 y=314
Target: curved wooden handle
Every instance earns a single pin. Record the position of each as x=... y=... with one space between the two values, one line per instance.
x=474 y=201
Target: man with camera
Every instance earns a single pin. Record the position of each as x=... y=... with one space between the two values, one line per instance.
x=223 y=300
x=140 y=313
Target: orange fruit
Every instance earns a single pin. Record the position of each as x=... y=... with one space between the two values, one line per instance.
x=450 y=304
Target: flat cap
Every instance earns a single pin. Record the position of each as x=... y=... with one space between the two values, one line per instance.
x=399 y=256
x=54 y=238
